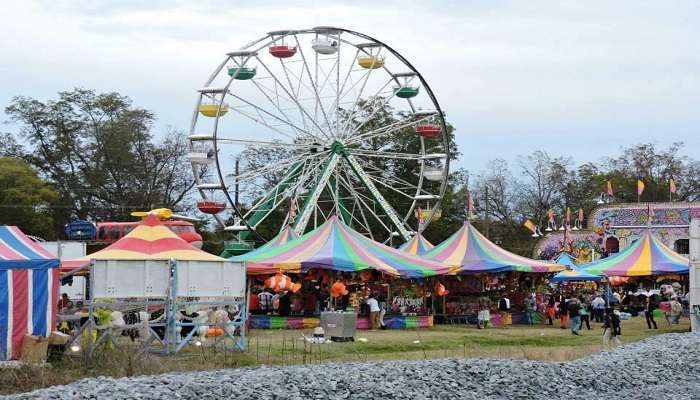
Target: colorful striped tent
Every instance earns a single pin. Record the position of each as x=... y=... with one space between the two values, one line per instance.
x=287 y=234
x=418 y=245
x=150 y=240
x=335 y=246
x=645 y=256
x=469 y=252
x=28 y=288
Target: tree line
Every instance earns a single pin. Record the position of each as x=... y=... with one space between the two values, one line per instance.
x=89 y=155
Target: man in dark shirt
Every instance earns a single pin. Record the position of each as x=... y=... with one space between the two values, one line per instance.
x=574 y=317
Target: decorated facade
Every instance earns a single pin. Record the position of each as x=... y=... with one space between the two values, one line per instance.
x=613 y=227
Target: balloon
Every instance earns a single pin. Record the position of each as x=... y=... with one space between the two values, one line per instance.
x=440 y=290
x=338 y=290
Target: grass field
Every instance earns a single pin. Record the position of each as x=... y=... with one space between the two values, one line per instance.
x=286 y=347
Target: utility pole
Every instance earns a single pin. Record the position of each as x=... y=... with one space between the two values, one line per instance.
x=487 y=220
x=694 y=286
x=236 y=187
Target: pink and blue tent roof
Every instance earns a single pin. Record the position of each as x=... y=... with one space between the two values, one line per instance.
x=28 y=287
x=644 y=257
x=566 y=260
x=467 y=251
x=335 y=246
x=575 y=275
x=418 y=245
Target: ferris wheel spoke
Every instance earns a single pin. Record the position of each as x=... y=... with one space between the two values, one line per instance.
x=385 y=154
x=374 y=112
x=303 y=112
x=264 y=92
x=340 y=88
x=261 y=121
x=311 y=80
x=383 y=203
x=321 y=181
x=261 y=143
x=262 y=110
x=356 y=205
x=266 y=169
x=362 y=201
x=386 y=129
x=359 y=95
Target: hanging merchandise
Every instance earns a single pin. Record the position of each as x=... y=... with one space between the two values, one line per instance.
x=280 y=283
x=338 y=290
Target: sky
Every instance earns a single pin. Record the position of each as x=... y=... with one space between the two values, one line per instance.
x=575 y=78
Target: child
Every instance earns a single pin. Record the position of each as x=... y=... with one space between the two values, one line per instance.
x=611 y=327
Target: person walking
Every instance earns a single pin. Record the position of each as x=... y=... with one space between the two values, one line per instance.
x=373 y=312
x=611 y=327
x=551 y=309
x=598 y=305
x=484 y=315
x=530 y=306
x=649 y=312
x=676 y=310
x=583 y=312
x=504 y=310
x=563 y=311
x=574 y=316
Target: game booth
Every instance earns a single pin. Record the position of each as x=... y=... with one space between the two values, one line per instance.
x=483 y=269
x=334 y=256
x=441 y=286
x=154 y=285
x=645 y=268
x=28 y=288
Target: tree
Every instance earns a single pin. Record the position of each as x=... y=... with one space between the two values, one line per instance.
x=99 y=154
x=25 y=200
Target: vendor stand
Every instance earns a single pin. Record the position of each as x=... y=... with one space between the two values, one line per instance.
x=484 y=269
x=334 y=252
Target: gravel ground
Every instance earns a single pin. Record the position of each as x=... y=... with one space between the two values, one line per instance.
x=660 y=367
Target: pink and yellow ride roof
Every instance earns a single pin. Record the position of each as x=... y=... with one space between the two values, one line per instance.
x=469 y=252
x=150 y=240
x=645 y=256
x=418 y=245
x=335 y=246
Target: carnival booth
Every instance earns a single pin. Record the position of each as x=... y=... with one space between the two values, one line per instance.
x=646 y=263
x=28 y=288
x=168 y=290
x=338 y=267
x=418 y=245
x=484 y=269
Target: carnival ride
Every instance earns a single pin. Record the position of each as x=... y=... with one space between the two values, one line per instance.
x=105 y=233
x=324 y=108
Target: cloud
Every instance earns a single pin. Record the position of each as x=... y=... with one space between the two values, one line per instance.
x=570 y=76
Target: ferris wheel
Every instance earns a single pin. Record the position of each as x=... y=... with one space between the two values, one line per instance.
x=300 y=125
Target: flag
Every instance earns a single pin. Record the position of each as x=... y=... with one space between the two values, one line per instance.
x=672 y=185
x=640 y=187
x=610 y=189
x=580 y=215
x=470 y=205
x=550 y=216
x=568 y=215
x=530 y=226
x=421 y=218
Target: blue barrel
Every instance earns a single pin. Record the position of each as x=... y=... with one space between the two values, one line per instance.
x=81 y=230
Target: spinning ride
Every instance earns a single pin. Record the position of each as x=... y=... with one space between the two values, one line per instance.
x=323 y=122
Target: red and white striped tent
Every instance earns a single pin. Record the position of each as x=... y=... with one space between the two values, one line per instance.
x=28 y=288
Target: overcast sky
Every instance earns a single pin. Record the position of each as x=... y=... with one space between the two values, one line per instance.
x=578 y=78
